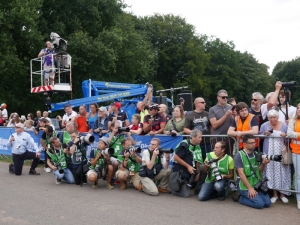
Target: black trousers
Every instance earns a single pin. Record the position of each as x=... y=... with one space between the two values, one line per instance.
x=77 y=175
x=19 y=161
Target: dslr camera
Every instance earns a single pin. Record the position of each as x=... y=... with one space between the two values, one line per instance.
x=165 y=150
x=133 y=149
x=172 y=134
x=213 y=165
x=262 y=185
x=100 y=132
x=123 y=129
x=192 y=178
x=108 y=151
x=260 y=156
x=59 y=168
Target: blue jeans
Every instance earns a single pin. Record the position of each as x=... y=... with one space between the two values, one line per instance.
x=296 y=162
x=260 y=201
x=208 y=190
x=66 y=175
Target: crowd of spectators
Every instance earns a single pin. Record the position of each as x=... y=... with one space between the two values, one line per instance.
x=229 y=125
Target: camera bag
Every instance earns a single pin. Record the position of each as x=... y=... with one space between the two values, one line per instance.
x=145 y=172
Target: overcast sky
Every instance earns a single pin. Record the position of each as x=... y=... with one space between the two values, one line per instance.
x=268 y=29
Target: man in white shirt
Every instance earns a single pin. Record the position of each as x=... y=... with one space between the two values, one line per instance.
x=70 y=115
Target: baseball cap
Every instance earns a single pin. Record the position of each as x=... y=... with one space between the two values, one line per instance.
x=117 y=104
x=103 y=109
x=154 y=106
x=105 y=140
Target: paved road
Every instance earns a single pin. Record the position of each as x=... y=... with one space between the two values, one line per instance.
x=38 y=200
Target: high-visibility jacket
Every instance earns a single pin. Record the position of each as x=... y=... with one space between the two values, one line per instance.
x=295 y=142
x=244 y=126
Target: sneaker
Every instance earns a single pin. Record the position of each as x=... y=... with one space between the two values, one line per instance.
x=10 y=169
x=95 y=185
x=48 y=170
x=236 y=196
x=109 y=186
x=58 y=181
x=298 y=204
x=161 y=190
x=33 y=172
x=221 y=198
x=274 y=199
x=123 y=186
x=284 y=199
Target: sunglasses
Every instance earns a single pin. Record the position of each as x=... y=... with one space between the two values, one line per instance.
x=223 y=97
x=17 y=127
x=254 y=99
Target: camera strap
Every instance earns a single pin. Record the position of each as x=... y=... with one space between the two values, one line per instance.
x=251 y=167
x=115 y=140
x=174 y=125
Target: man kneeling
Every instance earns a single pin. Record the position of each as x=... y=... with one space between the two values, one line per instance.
x=57 y=161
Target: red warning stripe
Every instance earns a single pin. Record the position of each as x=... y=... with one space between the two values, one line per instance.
x=41 y=89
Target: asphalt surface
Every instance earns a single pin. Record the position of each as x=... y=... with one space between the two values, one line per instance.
x=31 y=199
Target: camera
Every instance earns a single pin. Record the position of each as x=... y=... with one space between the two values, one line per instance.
x=289 y=84
x=172 y=134
x=165 y=150
x=262 y=185
x=213 y=165
x=133 y=149
x=100 y=132
x=270 y=131
x=59 y=168
x=123 y=129
x=260 y=156
x=192 y=178
x=108 y=151
x=87 y=139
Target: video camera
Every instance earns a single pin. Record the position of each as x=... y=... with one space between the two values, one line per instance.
x=215 y=170
x=123 y=129
x=89 y=139
x=133 y=149
x=288 y=84
x=165 y=150
x=58 y=42
x=260 y=156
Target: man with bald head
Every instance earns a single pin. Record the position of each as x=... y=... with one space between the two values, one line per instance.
x=163 y=109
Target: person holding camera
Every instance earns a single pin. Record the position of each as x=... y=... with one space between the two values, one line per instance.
x=68 y=116
x=142 y=107
x=251 y=187
x=20 y=141
x=101 y=124
x=48 y=63
x=187 y=161
x=155 y=169
x=154 y=123
x=220 y=168
x=118 y=115
x=100 y=164
x=175 y=125
x=130 y=165
x=57 y=161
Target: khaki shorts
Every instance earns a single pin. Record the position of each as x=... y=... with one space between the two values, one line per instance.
x=48 y=72
x=122 y=172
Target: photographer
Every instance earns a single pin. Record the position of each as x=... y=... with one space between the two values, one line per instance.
x=249 y=178
x=99 y=163
x=155 y=169
x=101 y=123
x=130 y=165
x=57 y=161
x=220 y=169
x=187 y=160
x=78 y=156
x=48 y=64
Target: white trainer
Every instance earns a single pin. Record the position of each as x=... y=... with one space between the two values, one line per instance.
x=48 y=170
x=274 y=199
x=284 y=199
x=298 y=204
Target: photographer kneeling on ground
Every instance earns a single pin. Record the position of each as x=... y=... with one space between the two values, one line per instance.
x=57 y=161
x=220 y=168
x=152 y=169
x=100 y=163
x=187 y=160
x=130 y=165
x=249 y=179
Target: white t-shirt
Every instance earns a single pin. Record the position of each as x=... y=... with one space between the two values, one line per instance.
x=68 y=117
x=146 y=158
x=4 y=113
x=264 y=110
x=291 y=111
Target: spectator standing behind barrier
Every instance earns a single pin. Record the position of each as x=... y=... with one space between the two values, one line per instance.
x=130 y=165
x=100 y=164
x=279 y=175
x=81 y=120
x=13 y=120
x=37 y=118
x=56 y=160
x=199 y=119
x=282 y=111
x=118 y=115
x=244 y=123
x=68 y=116
x=101 y=123
x=163 y=110
x=175 y=125
x=142 y=107
x=48 y=63
x=294 y=133
x=4 y=111
x=154 y=123
x=30 y=116
x=20 y=142
x=28 y=126
x=256 y=102
x=92 y=115
x=136 y=127
x=249 y=176
x=187 y=163
x=40 y=126
x=154 y=161
x=215 y=186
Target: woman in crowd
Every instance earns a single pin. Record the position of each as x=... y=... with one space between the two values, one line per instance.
x=92 y=115
x=279 y=175
x=294 y=133
x=136 y=127
x=176 y=124
x=13 y=120
x=30 y=116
